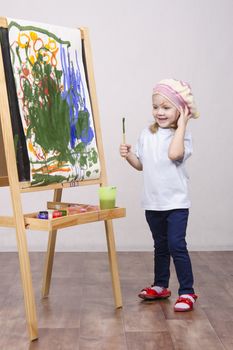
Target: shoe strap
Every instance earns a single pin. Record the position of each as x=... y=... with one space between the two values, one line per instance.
x=184 y=300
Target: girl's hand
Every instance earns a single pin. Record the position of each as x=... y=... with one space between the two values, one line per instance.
x=184 y=117
x=124 y=150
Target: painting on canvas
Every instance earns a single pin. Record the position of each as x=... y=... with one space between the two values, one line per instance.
x=54 y=102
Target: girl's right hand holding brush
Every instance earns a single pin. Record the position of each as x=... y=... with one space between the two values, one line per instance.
x=125 y=149
x=125 y=152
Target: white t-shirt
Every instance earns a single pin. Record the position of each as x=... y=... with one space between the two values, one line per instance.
x=165 y=181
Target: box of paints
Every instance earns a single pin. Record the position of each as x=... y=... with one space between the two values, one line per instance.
x=63 y=210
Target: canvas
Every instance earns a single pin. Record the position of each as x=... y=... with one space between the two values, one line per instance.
x=54 y=102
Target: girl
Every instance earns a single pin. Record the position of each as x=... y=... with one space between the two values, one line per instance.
x=161 y=153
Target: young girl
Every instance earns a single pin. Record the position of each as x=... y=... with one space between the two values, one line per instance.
x=161 y=153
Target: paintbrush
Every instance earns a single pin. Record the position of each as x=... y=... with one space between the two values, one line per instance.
x=123 y=130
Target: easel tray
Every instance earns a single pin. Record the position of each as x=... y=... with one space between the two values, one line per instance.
x=33 y=223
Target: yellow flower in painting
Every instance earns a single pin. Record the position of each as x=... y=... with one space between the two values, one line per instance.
x=33 y=36
x=51 y=45
x=32 y=59
x=23 y=40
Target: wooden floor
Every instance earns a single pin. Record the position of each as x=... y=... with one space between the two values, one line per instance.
x=79 y=313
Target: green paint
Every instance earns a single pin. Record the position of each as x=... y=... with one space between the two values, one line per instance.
x=82 y=124
x=41 y=179
x=80 y=147
x=86 y=158
x=40 y=30
x=47 y=112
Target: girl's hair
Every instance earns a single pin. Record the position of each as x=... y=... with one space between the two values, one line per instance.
x=153 y=128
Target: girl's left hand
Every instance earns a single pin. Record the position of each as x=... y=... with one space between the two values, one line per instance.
x=184 y=117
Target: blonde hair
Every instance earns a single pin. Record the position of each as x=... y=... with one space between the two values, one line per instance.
x=153 y=128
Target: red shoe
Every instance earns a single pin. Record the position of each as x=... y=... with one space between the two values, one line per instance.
x=151 y=294
x=185 y=302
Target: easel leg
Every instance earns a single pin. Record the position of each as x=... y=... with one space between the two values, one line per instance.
x=12 y=172
x=113 y=263
x=49 y=263
x=50 y=253
x=26 y=278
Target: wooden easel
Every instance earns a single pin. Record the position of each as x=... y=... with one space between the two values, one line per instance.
x=21 y=221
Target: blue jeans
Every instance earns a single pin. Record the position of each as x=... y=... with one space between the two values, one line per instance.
x=169 y=230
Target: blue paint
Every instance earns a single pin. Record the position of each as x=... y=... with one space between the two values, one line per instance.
x=43 y=215
x=74 y=94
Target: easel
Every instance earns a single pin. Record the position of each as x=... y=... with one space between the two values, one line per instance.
x=9 y=177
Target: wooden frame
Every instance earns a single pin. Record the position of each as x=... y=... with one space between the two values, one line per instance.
x=21 y=221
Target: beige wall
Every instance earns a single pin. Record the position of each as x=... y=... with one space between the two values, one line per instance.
x=135 y=44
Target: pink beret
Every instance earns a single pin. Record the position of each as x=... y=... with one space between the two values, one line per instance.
x=177 y=92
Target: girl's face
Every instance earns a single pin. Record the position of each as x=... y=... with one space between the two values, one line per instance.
x=164 y=112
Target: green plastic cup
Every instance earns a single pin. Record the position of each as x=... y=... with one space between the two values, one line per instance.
x=107 y=197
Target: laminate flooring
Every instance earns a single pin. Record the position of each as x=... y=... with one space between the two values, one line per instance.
x=80 y=315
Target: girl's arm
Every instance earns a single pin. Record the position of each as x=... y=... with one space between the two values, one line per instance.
x=176 y=148
x=132 y=159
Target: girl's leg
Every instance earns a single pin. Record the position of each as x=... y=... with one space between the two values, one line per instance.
x=158 y=226
x=177 y=224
